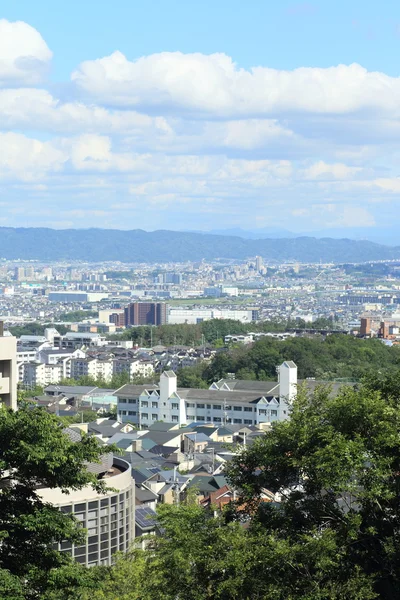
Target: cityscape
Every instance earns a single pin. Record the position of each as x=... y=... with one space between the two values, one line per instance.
x=199 y=301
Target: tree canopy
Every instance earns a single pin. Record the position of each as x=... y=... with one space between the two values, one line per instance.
x=35 y=452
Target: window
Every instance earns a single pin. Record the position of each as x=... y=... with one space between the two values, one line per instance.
x=174 y=419
x=274 y=413
x=175 y=406
x=208 y=418
x=237 y=408
x=237 y=420
x=227 y=407
x=190 y=417
x=248 y=409
x=208 y=405
x=132 y=413
x=217 y=419
x=122 y=400
x=124 y=412
x=217 y=407
x=154 y=405
x=262 y=412
x=190 y=405
x=200 y=405
x=144 y=404
x=200 y=418
x=132 y=401
x=145 y=416
x=154 y=417
x=247 y=421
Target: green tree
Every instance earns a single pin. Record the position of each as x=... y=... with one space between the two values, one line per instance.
x=35 y=452
x=337 y=463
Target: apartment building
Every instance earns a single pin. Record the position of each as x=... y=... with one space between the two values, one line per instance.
x=255 y=402
x=109 y=518
x=134 y=368
x=146 y=313
x=91 y=367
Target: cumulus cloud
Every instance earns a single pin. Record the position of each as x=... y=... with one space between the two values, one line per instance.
x=214 y=84
x=26 y=159
x=178 y=139
x=24 y=55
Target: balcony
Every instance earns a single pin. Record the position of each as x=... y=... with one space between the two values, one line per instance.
x=4 y=385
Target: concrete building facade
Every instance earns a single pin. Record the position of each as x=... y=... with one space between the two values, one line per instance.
x=8 y=370
x=253 y=404
x=109 y=518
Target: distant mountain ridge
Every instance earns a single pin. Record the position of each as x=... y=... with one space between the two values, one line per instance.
x=96 y=245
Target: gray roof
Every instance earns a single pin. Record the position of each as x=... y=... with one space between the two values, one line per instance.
x=134 y=391
x=169 y=374
x=56 y=351
x=290 y=363
x=142 y=494
x=70 y=390
x=161 y=437
x=264 y=387
x=219 y=395
x=198 y=437
x=162 y=426
x=163 y=450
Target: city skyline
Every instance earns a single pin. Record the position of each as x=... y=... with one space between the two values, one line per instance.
x=200 y=117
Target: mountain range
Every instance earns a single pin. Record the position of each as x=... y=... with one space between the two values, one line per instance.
x=96 y=245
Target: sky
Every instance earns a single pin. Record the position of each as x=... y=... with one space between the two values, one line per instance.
x=200 y=115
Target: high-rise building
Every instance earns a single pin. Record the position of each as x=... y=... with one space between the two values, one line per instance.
x=19 y=273
x=146 y=313
x=8 y=369
x=259 y=263
x=29 y=273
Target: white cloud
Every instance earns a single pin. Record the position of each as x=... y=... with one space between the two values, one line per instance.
x=24 y=55
x=336 y=171
x=27 y=159
x=214 y=84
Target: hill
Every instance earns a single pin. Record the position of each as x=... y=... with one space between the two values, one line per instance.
x=96 y=245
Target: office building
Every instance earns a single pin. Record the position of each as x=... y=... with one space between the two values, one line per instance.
x=146 y=313
x=8 y=369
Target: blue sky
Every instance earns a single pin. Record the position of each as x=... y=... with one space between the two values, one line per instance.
x=200 y=115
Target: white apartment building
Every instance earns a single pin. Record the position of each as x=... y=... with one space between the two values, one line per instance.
x=250 y=403
x=77 y=340
x=33 y=374
x=91 y=367
x=134 y=368
x=8 y=370
x=197 y=315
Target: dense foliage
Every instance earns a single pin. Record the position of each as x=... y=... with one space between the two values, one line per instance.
x=78 y=315
x=332 y=358
x=34 y=453
x=209 y=332
x=333 y=536
x=35 y=329
x=333 y=533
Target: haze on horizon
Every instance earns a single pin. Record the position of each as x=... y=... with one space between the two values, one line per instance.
x=201 y=116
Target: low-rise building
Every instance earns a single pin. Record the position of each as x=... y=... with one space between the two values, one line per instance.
x=264 y=402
